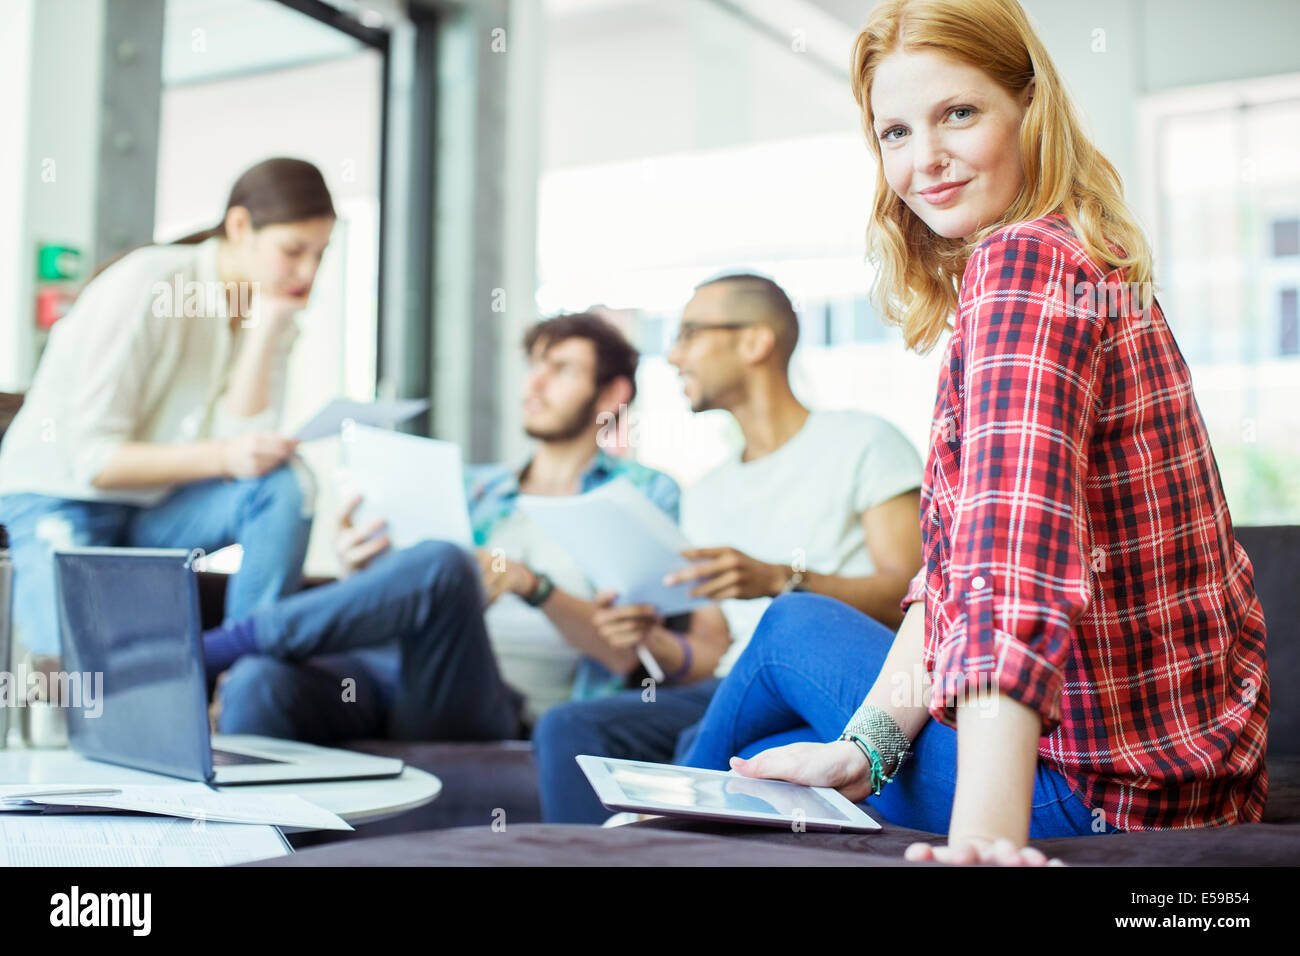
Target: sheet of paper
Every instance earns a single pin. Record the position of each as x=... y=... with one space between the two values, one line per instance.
x=415 y=484
x=329 y=420
x=27 y=840
x=193 y=801
x=622 y=542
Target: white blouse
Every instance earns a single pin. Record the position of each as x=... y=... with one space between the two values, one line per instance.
x=143 y=355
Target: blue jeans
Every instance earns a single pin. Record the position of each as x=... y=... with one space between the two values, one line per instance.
x=396 y=650
x=625 y=725
x=264 y=515
x=806 y=671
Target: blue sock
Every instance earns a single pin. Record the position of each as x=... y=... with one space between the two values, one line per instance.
x=222 y=646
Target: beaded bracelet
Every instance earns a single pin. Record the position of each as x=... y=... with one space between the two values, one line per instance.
x=877 y=777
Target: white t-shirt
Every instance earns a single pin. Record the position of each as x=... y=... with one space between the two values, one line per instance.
x=802 y=502
x=143 y=355
x=532 y=654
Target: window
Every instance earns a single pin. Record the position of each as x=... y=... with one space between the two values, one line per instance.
x=1223 y=193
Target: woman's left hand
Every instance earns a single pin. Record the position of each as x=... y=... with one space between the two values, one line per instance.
x=974 y=849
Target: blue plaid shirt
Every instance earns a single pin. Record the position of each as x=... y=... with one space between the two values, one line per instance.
x=492 y=491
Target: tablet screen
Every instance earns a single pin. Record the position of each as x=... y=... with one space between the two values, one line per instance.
x=680 y=787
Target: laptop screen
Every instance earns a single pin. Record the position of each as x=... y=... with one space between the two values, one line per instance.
x=129 y=624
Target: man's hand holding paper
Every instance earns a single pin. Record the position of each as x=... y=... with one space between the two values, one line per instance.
x=626 y=625
x=356 y=545
x=622 y=542
x=728 y=573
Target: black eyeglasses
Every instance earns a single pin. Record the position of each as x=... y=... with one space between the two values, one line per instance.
x=688 y=330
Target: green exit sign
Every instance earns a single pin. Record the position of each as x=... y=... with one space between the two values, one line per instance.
x=57 y=262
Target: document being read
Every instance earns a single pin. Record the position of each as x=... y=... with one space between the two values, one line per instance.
x=417 y=485
x=622 y=542
x=329 y=420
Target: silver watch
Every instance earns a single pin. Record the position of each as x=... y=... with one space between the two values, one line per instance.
x=793 y=582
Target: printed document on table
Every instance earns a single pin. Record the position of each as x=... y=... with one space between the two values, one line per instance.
x=28 y=840
x=190 y=800
x=329 y=420
x=416 y=485
x=622 y=542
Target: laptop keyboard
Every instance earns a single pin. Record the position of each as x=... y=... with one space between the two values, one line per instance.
x=224 y=758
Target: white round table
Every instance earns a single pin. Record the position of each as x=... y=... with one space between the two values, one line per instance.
x=356 y=801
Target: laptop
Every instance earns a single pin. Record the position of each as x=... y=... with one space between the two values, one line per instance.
x=132 y=616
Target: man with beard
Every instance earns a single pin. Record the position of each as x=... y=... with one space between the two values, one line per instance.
x=427 y=643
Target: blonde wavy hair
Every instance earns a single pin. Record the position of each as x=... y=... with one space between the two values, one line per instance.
x=919 y=272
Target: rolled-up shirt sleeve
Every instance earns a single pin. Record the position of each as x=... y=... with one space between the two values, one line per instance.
x=915 y=589
x=1018 y=576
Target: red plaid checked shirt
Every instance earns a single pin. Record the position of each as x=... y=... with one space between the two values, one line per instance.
x=1079 y=555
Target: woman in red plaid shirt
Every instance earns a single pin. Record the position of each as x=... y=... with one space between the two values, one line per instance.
x=1082 y=651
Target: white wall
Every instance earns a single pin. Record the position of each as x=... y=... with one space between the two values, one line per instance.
x=1190 y=42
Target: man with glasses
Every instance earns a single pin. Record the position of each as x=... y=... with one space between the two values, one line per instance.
x=818 y=501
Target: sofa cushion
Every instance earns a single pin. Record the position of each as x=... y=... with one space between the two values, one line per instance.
x=1283 y=804
x=680 y=843
x=1251 y=844
x=561 y=845
x=1274 y=552
x=481 y=782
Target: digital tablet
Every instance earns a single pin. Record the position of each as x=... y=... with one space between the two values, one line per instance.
x=719 y=795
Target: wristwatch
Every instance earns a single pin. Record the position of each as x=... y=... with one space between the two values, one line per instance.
x=793 y=582
x=542 y=590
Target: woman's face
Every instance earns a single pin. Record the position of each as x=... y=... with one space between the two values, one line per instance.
x=282 y=258
x=949 y=140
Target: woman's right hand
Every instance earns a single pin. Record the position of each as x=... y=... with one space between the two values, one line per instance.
x=840 y=765
x=254 y=454
x=354 y=546
x=624 y=626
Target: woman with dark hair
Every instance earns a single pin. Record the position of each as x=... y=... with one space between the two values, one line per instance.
x=1083 y=650
x=152 y=418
